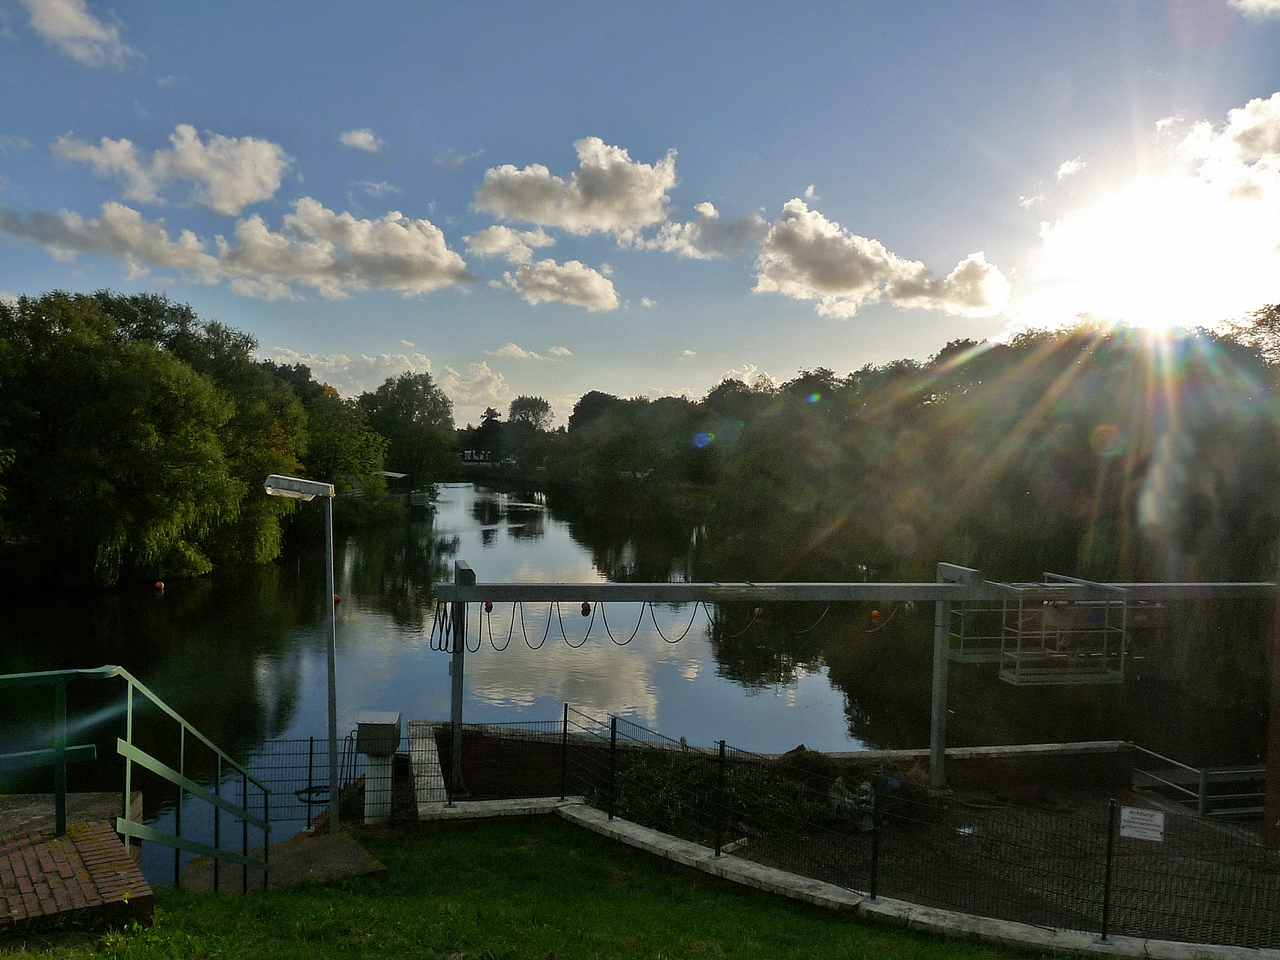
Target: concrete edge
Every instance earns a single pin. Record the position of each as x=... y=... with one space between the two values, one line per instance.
x=948 y=923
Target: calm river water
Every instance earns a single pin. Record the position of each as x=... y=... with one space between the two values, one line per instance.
x=242 y=654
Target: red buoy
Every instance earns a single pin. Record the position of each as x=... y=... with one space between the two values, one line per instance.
x=488 y=606
x=159 y=586
x=586 y=609
x=875 y=616
x=336 y=599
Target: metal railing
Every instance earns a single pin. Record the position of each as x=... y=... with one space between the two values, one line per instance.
x=1201 y=788
x=224 y=766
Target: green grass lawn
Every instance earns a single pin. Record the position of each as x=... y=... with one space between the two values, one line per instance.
x=529 y=888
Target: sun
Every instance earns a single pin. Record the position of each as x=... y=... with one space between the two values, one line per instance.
x=1161 y=252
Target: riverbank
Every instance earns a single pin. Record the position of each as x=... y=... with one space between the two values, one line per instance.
x=529 y=888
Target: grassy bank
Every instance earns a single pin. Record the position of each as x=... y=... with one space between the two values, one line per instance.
x=530 y=888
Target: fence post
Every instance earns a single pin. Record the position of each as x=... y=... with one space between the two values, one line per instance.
x=60 y=759
x=720 y=801
x=217 y=822
x=244 y=832
x=177 y=810
x=875 y=843
x=1106 y=882
x=613 y=763
x=564 y=753
x=266 y=838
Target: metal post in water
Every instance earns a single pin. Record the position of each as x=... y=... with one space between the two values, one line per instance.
x=613 y=763
x=266 y=838
x=333 y=666
x=720 y=801
x=311 y=763
x=938 y=724
x=60 y=759
x=1106 y=882
x=464 y=576
x=564 y=753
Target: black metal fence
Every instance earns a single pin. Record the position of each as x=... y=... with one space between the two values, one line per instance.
x=297 y=773
x=870 y=829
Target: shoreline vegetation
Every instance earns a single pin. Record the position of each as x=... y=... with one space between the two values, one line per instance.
x=528 y=888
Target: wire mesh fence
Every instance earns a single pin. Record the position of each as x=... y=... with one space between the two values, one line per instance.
x=871 y=829
x=297 y=773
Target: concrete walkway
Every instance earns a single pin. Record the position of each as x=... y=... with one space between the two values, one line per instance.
x=304 y=859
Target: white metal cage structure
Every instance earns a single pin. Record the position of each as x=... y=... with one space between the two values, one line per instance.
x=1052 y=635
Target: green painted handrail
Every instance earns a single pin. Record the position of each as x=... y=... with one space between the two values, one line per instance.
x=61 y=755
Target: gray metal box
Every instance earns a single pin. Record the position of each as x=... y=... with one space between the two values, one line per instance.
x=378 y=733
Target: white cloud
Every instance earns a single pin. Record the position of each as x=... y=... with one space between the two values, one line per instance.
x=646 y=302
x=515 y=245
x=406 y=343
x=707 y=237
x=1069 y=168
x=77 y=33
x=227 y=173
x=450 y=160
x=7 y=297
x=751 y=375
x=609 y=192
x=809 y=193
x=351 y=377
x=379 y=189
x=361 y=140
x=1257 y=8
x=10 y=144
x=479 y=388
x=1027 y=203
x=514 y=352
x=688 y=353
x=120 y=234
x=570 y=282
x=808 y=257
x=560 y=352
x=316 y=248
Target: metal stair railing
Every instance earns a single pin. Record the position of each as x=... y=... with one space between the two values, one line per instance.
x=61 y=754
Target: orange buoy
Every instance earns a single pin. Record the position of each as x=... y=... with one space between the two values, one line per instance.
x=159 y=586
x=875 y=616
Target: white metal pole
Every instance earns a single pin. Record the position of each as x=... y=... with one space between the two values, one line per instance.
x=334 y=786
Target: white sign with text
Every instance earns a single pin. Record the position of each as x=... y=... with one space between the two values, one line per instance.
x=1141 y=824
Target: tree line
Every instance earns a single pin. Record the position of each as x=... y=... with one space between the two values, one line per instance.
x=134 y=437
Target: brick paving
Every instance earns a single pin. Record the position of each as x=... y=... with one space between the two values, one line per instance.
x=88 y=870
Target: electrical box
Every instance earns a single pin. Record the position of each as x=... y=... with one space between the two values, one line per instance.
x=378 y=733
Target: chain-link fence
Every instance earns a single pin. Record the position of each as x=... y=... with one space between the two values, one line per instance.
x=869 y=827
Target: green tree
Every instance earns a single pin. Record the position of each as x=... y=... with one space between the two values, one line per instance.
x=534 y=411
x=118 y=465
x=344 y=449
x=416 y=418
x=266 y=432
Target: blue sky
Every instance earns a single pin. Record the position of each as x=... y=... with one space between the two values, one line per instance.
x=640 y=198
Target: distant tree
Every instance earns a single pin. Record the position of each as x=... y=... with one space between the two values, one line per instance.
x=534 y=411
x=416 y=418
x=344 y=450
x=591 y=406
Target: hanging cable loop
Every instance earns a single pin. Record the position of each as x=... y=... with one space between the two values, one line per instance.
x=605 y=617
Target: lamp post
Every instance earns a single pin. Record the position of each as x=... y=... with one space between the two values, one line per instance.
x=297 y=489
